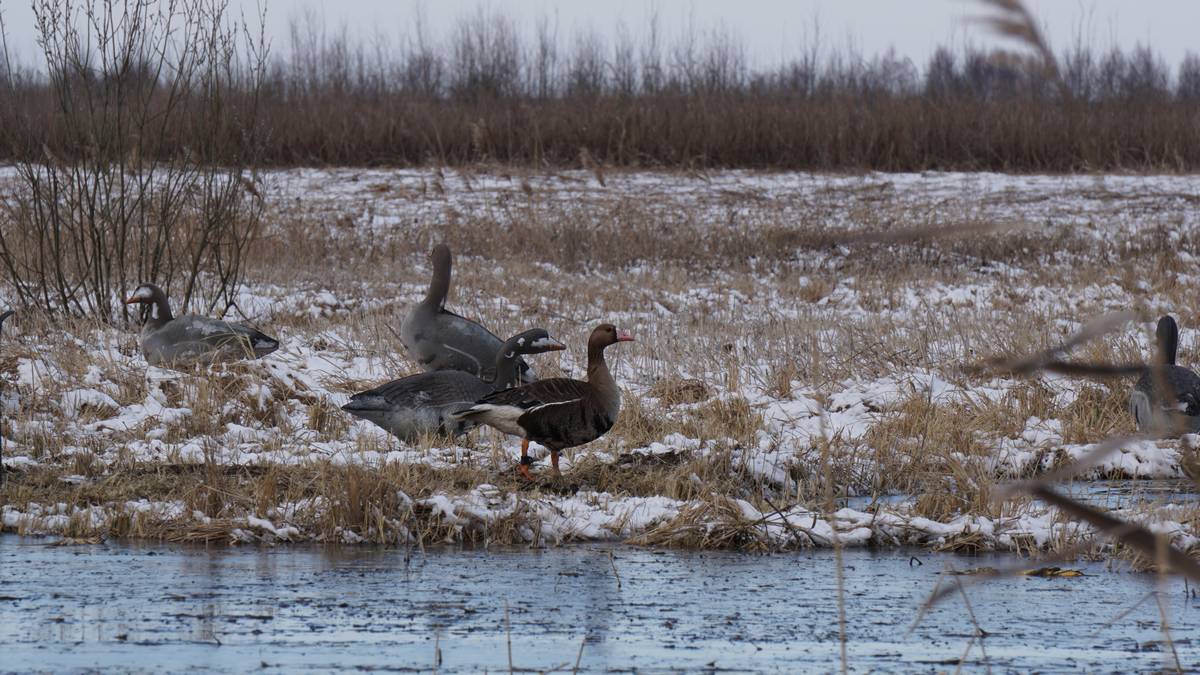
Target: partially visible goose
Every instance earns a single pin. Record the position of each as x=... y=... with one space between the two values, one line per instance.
x=193 y=340
x=1166 y=398
x=558 y=413
x=423 y=404
x=439 y=339
x=3 y=317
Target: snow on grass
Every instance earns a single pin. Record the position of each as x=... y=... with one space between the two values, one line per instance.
x=864 y=349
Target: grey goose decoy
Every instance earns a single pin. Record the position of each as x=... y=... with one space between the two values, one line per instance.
x=190 y=340
x=1166 y=398
x=439 y=339
x=558 y=413
x=423 y=404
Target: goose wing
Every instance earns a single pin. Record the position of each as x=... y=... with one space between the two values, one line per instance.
x=1182 y=388
x=196 y=338
x=530 y=397
x=440 y=388
x=458 y=343
x=509 y=410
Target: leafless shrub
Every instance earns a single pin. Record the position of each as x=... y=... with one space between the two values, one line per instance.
x=104 y=201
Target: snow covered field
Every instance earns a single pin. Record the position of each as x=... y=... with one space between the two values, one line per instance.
x=784 y=364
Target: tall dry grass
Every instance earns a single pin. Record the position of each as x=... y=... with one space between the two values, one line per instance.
x=491 y=91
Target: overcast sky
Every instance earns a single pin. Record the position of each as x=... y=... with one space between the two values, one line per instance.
x=770 y=28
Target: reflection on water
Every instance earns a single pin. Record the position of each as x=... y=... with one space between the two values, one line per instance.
x=152 y=608
x=1123 y=494
x=1107 y=494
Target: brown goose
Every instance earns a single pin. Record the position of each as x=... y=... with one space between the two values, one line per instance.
x=439 y=339
x=558 y=413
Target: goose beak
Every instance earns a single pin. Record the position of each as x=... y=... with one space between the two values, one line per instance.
x=548 y=344
x=133 y=301
x=624 y=336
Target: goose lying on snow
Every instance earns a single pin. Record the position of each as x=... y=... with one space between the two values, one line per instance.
x=422 y=404
x=193 y=340
x=438 y=339
x=1166 y=398
x=558 y=413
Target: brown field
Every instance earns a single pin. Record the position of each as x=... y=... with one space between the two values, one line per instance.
x=785 y=363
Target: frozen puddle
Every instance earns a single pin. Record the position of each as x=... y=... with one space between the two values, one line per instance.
x=163 y=607
x=1106 y=494
x=1124 y=494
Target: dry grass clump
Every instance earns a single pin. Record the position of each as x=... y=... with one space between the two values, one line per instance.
x=934 y=452
x=1031 y=399
x=373 y=502
x=671 y=391
x=625 y=231
x=639 y=423
x=678 y=475
x=732 y=418
x=327 y=419
x=1189 y=461
x=1097 y=411
x=717 y=522
x=355 y=501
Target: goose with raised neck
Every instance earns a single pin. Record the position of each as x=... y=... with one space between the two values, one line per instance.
x=1165 y=401
x=438 y=339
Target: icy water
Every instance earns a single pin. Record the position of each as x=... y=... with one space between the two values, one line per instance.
x=1106 y=494
x=163 y=607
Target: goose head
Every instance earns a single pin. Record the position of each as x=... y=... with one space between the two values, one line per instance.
x=535 y=341
x=154 y=302
x=607 y=334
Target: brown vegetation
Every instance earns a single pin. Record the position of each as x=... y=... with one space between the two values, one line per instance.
x=702 y=367
x=489 y=92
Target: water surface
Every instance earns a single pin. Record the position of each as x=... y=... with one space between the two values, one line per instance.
x=169 y=607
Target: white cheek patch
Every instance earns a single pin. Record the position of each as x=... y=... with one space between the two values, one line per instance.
x=510 y=355
x=520 y=342
x=154 y=311
x=143 y=293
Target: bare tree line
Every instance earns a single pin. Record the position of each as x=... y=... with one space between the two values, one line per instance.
x=487 y=90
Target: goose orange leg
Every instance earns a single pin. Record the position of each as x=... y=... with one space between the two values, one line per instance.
x=554 y=462
x=523 y=467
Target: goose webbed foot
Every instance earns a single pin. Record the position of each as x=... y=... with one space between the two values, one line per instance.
x=526 y=461
x=523 y=468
